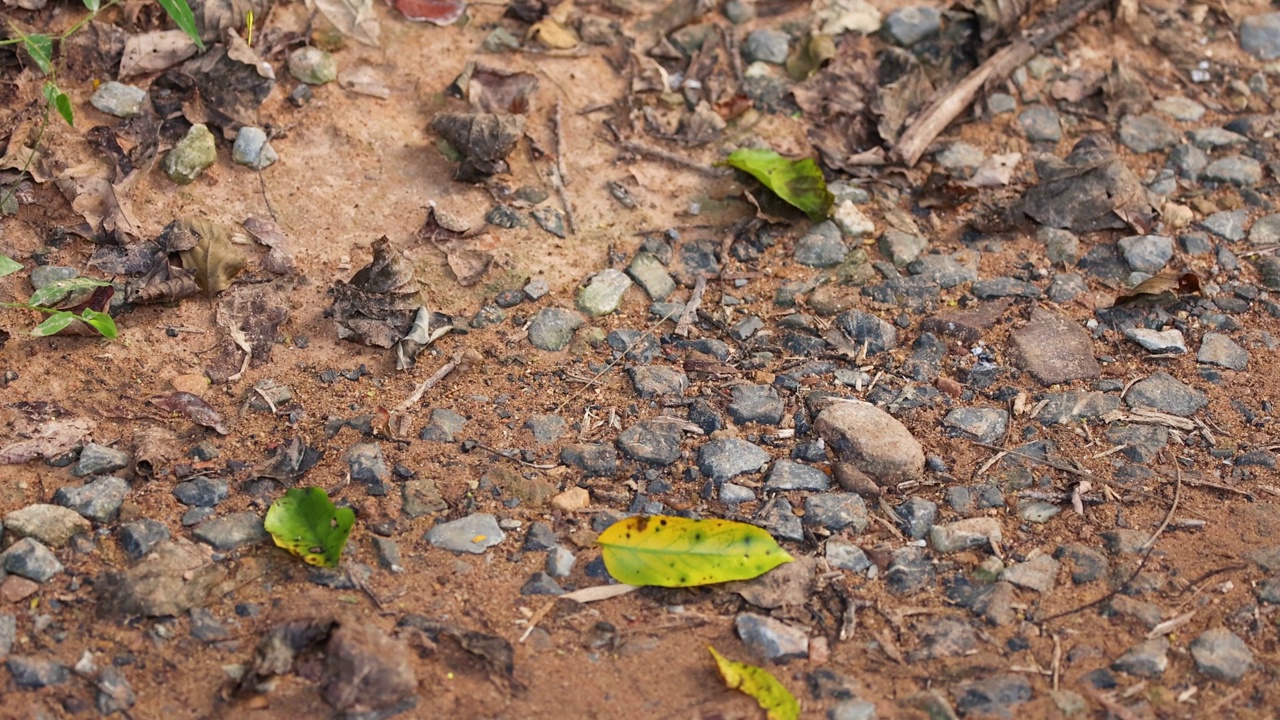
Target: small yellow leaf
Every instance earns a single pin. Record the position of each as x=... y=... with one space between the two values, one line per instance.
x=479 y=538
x=679 y=552
x=774 y=698
x=553 y=35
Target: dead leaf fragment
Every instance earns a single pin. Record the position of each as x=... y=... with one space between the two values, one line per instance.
x=378 y=305
x=193 y=408
x=154 y=52
x=494 y=90
x=214 y=259
x=353 y=18
x=436 y=12
x=483 y=139
x=45 y=440
x=1091 y=189
x=1161 y=289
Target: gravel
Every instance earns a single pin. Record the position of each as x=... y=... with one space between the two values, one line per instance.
x=1162 y=391
x=232 y=531
x=98 y=500
x=98 y=459
x=553 y=328
x=791 y=475
x=771 y=639
x=1221 y=655
x=471 y=534
x=726 y=458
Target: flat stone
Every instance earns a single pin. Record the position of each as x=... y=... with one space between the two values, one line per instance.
x=1149 y=614
x=552 y=328
x=1069 y=407
x=987 y=425
x=649 y=272
x=32 y=560
x=98 y=500
x=442 y=425
x=780 y=520
x=654 y=441
x=1227 y=224
x=965 y=534
x=866 y=329
x=173 y=578
x=471 y=534
x=821 y=247
x=1218 y=349
x=1147 y=253
x=745 y=328
x=191 y=156
x=253 y=149
x=946 y=637
x=968 y=325
x=1236 y=170
x=637 y=345
x=1040 y=123
x=232 y=531
x=1147 y=133
x=98 y=459
x=772 y=639
x=571 y=500
x=546 y=429
x=118 y=99
x=367 y=466
x=871 y=440
x=541 y=584
x=1054 y=349
x=8 y=633
x=909 y=25
x=52 y=525
x=1180 y=108
x=902 y=248
x=312 y=66
x=201 y=491
x=1265 y=230
x=593 y=459
x=852 y=710
x=137 y=538
x=1001 y=287
x=603 y=294
x=836 y=511
x=540 y=537
x=791 y=475
x=1163 y=342
x=960 y=159
x=725 y=458
x=1037 y=511
x=734 y=494
x=420 y=497
x=910 y=571
x=1142 y=442
x=844 y=555
x=1147 y=659
x=560 y=562
x=947 y=271
x=993 y=697
x=853 y=223
x=1162 y=391
x=1216 y=138
x=916 y=516
x=34 y=673
x=756 y=404
x=1188 y=161
x=1260 y=35
x=651 y=381
x=766 y=45
x=1039 y=573
x=1221 y=654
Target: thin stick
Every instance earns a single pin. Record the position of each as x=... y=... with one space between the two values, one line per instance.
x=526 y=463
x=1168 y=518
x=430 y=382
x=691 y=307
x=648 y=332
x=1112 y=706
x=941 y=112
x=557 y=121
x=658 y=153
x=560 y=178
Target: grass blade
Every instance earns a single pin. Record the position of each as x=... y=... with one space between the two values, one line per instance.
x=180 y=12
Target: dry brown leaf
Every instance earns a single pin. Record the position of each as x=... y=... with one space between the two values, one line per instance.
x=1165 y=287
x=468 y=265
x=553 y=35
x=155 y=51
x=215 y=260
x=47 y=440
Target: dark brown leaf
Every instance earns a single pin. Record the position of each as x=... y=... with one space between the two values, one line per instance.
x=1091 y=189
x=483 y=139
x=1161 y=289
x=493 y=90
x=193 y=408
x=215 y=260
x=378 y=306
x=836 y=101
x=290 y=461
x=468 y=265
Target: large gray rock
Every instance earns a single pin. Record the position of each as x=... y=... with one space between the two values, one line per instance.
x=173 y=578
x=1260 y=36
x=50 y=524
x=471 y=534
x=871 y=440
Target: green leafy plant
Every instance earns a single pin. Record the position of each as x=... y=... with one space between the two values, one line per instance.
x=799 y=182
x=78 y=291
x=306 y=523
x=679 y=552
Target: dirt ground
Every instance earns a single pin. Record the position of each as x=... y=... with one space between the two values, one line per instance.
x=354 y=168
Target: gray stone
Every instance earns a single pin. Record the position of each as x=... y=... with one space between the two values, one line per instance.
x=1066 y=287
x=488 y=315
x=852 y=710
x=725 y=458
x=836 y=511
x=1265 y=230
x=909 y=25
x=791 y=475
x=536 y=289
x=1001 y=103
x=505 y=216
x=844 y=555
x=52 y=525
x=770 y=639
x=1195 y=243
x=368 y=466
x=1162 y=391
x=822 y=246
x=866 y=329
x=1221 y=654
x=1147 y=659
x=1037 y=511
x=852 y=221
x=1070 y=407
x=1054 y=349
x=139 y=537
x=45 y=275
x=654 y=441
x=740 y=12
x=1216 y=138
x=8 y=633
x=546 y=429
x=945 y=270
x=170 y=580
x=232 y=531
x=1227 y=224
x=1188 y=161
x=1040 y=123
x=1039 y=573
x=118 y=99
x=1147 y=253
x=994 y=696
x=549 y=219
x=191 y=156
x=313 y=66
x=1165 y=342
x=734 y=494
x=603 y=294
x=871 y=440
x=766 y=45
x=541 y=584
x=1260 y=35
x=1142 y=442
x=1061 y=247
x=540 y=537
x=1234 y=169
x=1147 y=133
x=965 y=534
x=32 y=560
x=252 y=149
x=649 y=272
x=553 y=328
x=98 y=500
x=98 y=459
x=780 y=520
x=388 y=552
x=960 y=159
x=638 y=345
x=986 y=425
x=114 y=692
x=756 y=404
x=1087 y=564
x=560 y=562
x=1180 y=108
x=910 y=571
x=593 y=459
x=1000 y=287
x=442 y=425
x=902 y=248
x=471 y=534
x=916 y=516
x=1218 y=349
x=33 y=673
x=745 y=328
x=201 y=491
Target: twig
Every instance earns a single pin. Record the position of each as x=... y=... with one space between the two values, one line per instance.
x=557 y=122
x=1177 y=495
x=658 y=153
x=941 y=112
x=648 y=332
x=526 y=463
x=559 y=178
x=691 y=307
x=430 y=382
x=1112 y=706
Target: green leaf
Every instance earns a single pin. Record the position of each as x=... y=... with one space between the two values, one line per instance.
x=56 y=292
x=62 y=104
x=8 y=265
x=774 y=697
x=54 y=324
x=180 y=12
x=678 y=552
x=100 y=321
x=307 y=524
x=40 y=48
x=798 y=182
x=93 y=5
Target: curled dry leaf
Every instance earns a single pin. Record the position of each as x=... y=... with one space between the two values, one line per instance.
x=494 y=90
x=154 y=450
x=484 y=140
x=1164 y=288
x=193 y=408
x=427 y=328
x=46 y=439
x=468 y=264
x=1091 y=189
x=353 y=18
x=231 y=82
x=155 y=51
x=378 y=306
x=214 y=259
x=252 y=317
x=290 y=461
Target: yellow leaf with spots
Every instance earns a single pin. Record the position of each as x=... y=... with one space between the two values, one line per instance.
x=679 y=552
x=774 y=698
